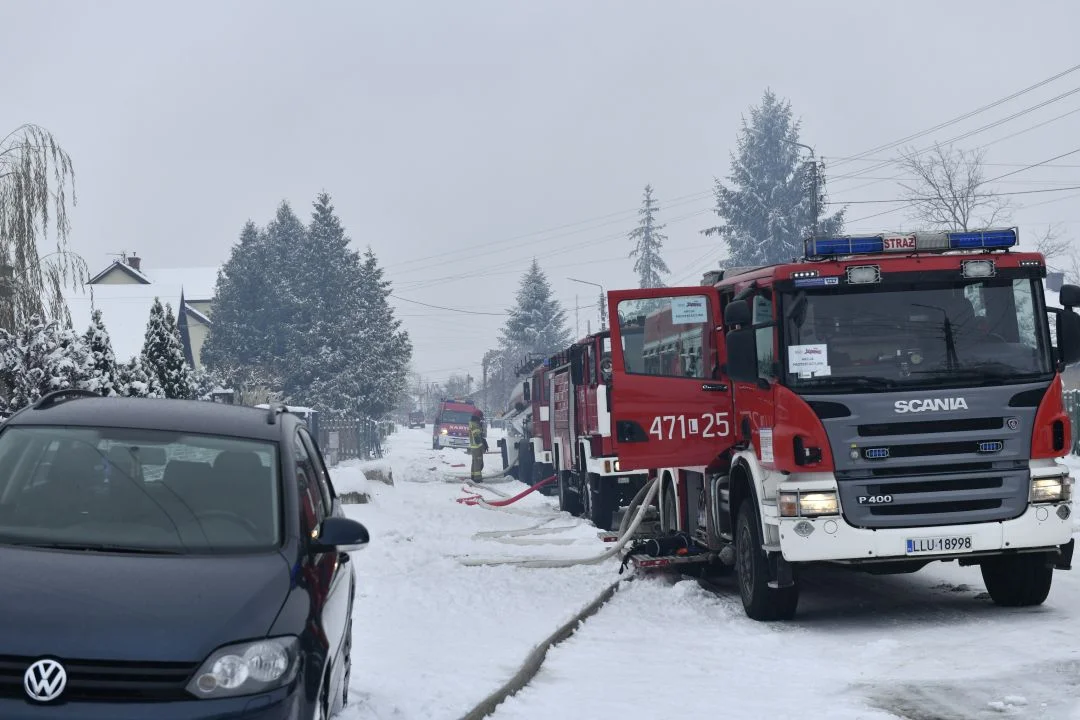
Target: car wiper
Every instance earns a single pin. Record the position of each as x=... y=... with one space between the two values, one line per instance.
x=100 y=547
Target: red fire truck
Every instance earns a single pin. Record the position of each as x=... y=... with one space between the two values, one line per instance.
x=451 y=425
x=888 y=401
x=591 y=481
x=526 y=449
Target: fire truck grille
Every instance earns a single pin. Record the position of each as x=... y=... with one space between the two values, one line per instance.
x=931 y=427
x=925 y=500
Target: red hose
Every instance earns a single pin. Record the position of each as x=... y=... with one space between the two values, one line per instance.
x=476 y=499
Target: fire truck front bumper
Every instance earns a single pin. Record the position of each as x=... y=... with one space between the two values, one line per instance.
x=831 y=538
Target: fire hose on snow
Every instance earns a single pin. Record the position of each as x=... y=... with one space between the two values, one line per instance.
x=638 y=508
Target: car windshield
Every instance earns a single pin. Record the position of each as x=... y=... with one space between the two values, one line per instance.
x=906 y=334
x=455 y=417
x=137 y=491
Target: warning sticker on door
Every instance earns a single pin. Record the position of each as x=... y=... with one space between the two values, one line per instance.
x=809 y=360
x=765 y=441
x=689 y=310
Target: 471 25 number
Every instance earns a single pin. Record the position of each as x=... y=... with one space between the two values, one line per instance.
x=681 y=427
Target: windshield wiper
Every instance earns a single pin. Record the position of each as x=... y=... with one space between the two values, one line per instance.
x=99 y=547
x=832 y=381
x=989 y=370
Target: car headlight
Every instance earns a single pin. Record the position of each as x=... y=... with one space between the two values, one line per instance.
x=444 y=431
x=808 y=504
x=1051 y=489
x=246 y=668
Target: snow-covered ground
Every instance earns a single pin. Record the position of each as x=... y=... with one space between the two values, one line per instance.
x=433 y=637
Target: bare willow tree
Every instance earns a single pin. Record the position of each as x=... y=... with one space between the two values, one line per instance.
x=37 y=182
x=949 y=191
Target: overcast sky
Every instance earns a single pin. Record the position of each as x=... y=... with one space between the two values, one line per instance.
x=461 y=139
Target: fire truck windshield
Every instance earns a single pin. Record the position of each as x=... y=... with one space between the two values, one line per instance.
x=454 y=417
x=925 y=334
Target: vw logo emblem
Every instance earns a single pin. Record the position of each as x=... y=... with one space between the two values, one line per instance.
x=45 y=680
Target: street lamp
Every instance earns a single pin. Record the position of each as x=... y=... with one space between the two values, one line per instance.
x=603 y=300
x=813 y=159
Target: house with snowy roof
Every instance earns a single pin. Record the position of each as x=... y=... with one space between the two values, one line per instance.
x=124 y=292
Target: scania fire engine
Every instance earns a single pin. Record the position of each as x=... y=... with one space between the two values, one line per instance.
x=888 y=401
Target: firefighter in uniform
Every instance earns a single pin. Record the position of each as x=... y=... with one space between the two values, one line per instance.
x=477 y=445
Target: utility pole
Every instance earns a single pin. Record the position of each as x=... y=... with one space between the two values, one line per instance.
x=487 y=404
x=577 y=319
x=603 y=300
x=813 y=181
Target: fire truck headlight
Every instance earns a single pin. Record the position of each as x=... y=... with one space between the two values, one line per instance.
x=1051 y=489
x=444 y=431
x=789 y=504
x=814 y=504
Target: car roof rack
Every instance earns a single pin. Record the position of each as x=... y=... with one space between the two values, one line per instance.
x=50 y=399
x=274 y=410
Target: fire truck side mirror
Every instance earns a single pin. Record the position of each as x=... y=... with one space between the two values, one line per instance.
x=737 y=313
x=526 y=394
x=742 y=360
x=1068 y=335
x=1069 y=296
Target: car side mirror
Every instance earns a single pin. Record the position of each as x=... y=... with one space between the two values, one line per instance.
x=742 y=361
x=1069 y=296
x=338 y=534
x=526 y=394
x=737 y=313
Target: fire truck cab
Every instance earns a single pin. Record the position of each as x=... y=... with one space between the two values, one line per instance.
x=451 y=425
x=889 y=401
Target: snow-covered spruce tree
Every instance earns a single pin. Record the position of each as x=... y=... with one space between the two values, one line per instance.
x=246 y=286
x=134 y=381
x=769 y=211
x=40 y=358
x=648 y=241
x=350 y=356
x=163 y=354
x=102 y=372
x=537 y=322
x=70 y=364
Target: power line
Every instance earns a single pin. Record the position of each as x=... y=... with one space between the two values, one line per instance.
x=449 y=309
x=962 y=136
x=965 y=116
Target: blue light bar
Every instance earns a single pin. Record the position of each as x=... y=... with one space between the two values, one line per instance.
x=911 y=242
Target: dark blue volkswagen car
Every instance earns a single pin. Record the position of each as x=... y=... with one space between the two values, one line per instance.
x=168 y=560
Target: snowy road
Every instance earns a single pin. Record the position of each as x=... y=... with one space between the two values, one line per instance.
x=432 y=637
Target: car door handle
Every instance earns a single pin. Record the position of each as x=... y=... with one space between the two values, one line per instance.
x=714 y=387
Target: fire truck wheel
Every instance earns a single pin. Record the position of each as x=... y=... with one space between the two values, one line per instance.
x=669 y=519
x=599 y=506
x=1018 y=580
x=760 y=601
x=569 y=501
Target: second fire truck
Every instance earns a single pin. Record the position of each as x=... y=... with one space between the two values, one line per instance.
x=559 y=424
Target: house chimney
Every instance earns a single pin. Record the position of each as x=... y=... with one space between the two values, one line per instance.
x=133 y=261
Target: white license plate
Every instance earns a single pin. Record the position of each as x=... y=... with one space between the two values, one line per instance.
x=936 y=545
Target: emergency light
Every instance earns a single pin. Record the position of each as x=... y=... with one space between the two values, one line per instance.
x=997 y=239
